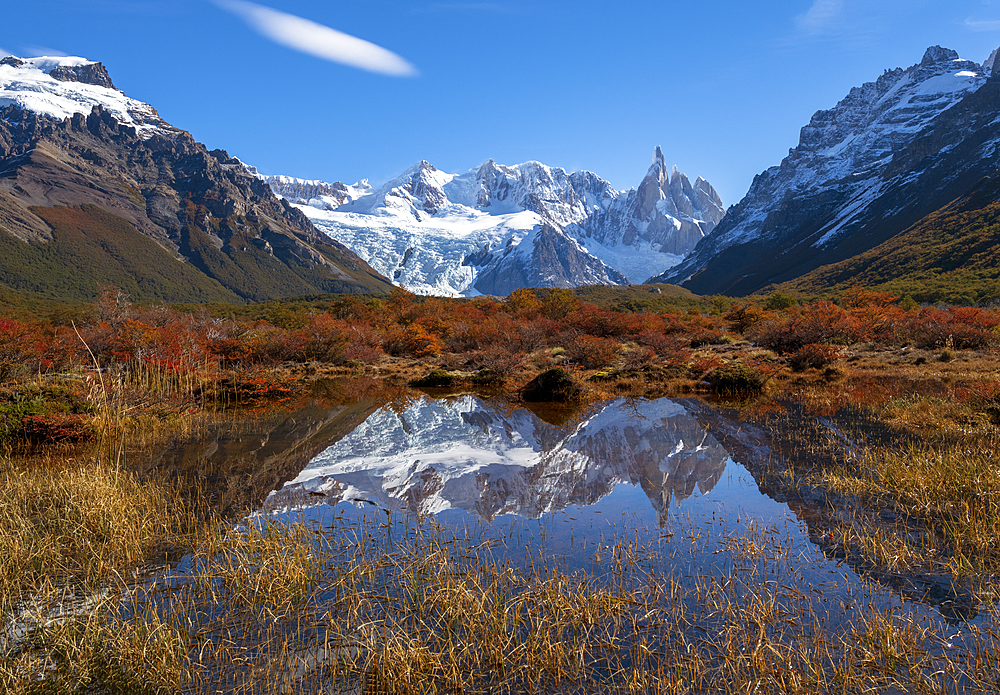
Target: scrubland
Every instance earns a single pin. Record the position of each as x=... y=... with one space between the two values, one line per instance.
x=883 y=419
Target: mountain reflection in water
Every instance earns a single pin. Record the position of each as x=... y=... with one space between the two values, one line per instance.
x=466 y=453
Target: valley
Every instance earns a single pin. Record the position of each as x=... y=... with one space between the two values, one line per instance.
x=507 y=430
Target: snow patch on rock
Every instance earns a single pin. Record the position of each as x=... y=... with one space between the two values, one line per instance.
x=28 y=83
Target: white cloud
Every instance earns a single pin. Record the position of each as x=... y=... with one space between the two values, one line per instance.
x=318 y=40
x=4 y=53
x=39 y=51
x=820 y=16
x=982 y=24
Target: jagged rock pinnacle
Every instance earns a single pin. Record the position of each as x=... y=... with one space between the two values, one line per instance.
x=935 y=54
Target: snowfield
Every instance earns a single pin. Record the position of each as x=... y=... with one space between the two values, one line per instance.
x=439 y=233
x=29 y=86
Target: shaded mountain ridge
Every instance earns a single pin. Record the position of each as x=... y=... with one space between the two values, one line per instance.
x=890 y=153
x=217 y=229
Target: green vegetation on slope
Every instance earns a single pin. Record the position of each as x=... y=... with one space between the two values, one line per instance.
x=951 y=256
x=92 y=247
x=656 y=298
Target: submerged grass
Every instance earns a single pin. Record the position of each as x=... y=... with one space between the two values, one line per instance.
x=78 y=520
x=902 y=478
x=390 y=607
x=382 y=608
x=946 y=496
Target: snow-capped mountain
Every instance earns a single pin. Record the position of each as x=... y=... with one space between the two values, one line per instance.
x=326 y=196
x=464 y=453
x=153 y=211
x=886 y=155
x=497 y=228
x=60 y=87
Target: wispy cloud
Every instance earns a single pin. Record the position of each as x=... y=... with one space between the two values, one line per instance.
x=821 y=17
x=38 y=51
x=318 y=40
x=982 y=24
x=4 y=53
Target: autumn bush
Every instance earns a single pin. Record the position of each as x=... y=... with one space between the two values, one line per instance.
x=592 y=352
x=745 y=316
x=821 y=322
x=637 y=357
x=20 y=349
x=413 y=341
x=966 y=328
x=495 y=337
x=737 y=379
x=498 y=360
x=813 y=356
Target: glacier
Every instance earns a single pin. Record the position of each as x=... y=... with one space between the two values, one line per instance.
x=496 y=228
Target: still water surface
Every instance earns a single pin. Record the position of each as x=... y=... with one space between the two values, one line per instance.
x=648 y=475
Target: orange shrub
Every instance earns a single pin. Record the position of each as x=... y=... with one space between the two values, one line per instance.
x=813 y=356
x=673 y=350
x=414 y=340
x=592 y=352
x=523 y=303
x=323 y=339
x=968 y=328
x=363 y=344
x=744 y=316
x=821 y=322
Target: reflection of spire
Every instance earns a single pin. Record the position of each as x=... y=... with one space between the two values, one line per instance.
x=464 y=453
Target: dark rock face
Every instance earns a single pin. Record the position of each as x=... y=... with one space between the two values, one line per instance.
x=202 y=206
x=554 y=260
x=91 y=73
x=12 y=61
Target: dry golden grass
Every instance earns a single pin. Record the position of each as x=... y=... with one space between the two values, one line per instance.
x=78 y=520
x=292 y=609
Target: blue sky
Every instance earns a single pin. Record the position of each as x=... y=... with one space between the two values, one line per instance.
x=723 y=87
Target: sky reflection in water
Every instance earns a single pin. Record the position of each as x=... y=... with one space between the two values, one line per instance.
x=640 y=477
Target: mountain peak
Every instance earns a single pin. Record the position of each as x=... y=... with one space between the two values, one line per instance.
x=60 y=87
x=891 y=151
x=937 y=54
x=990 y=65
x=658 y=169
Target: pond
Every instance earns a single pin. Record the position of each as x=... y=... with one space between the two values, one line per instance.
x=646 y=503
x=648 y=471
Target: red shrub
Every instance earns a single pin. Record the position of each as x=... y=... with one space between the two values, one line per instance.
x=821 y=322
x=363 y=344
x=967 y=328
x=49 y=429
x=813 y=356
x=323 y=339
x=414 y=340
x=592 y=352
x=673 y=350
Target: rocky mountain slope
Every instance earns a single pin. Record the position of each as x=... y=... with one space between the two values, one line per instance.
x=466 y=454
x=96 y=188
x=950 y=256
x=497 y=228
x=890 y=153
